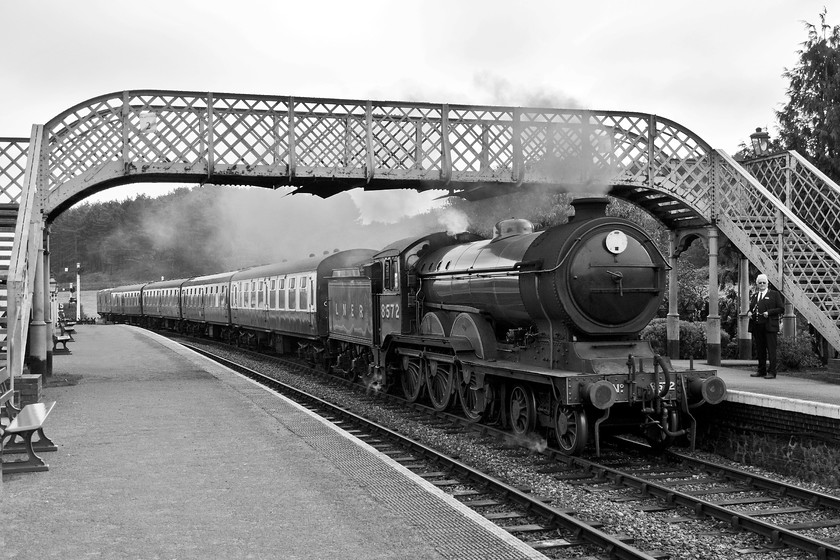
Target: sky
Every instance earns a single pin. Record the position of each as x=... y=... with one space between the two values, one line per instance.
x=716 y=67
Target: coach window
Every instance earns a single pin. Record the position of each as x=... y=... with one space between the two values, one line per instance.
x=292 y=294
x=281 y=294
x=304 y=299
x=272 y=294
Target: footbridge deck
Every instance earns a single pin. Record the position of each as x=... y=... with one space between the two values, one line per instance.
x=780 y=212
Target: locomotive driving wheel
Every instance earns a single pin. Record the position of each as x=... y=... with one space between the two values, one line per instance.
x=412 y=380
x=523 y=410
x=440 y=384
x=571 y=428
x=477 y=401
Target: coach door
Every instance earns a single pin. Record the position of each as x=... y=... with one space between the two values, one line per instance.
x=263 y=310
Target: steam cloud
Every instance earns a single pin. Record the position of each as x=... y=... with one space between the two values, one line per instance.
x=453 y=220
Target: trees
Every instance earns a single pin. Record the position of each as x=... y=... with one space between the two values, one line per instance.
x=810 y=121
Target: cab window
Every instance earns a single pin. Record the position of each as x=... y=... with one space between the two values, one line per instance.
x=391 y=274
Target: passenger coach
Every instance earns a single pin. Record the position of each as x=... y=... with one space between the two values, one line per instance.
x=279 y=304
x=162 y=303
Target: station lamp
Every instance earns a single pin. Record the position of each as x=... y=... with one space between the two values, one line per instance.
x=760 y=140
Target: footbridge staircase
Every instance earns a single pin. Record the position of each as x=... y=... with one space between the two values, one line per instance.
x=779 y=211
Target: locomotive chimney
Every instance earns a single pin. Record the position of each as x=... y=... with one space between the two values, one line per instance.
x=588 y=208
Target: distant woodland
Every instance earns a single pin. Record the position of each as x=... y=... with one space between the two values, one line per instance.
x=202 y=230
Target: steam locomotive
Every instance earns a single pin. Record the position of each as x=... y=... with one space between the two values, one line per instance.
x=535 y=331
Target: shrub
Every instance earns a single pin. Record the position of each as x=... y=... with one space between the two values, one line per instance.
x=657 y=335
x=692 y=338
x=796 y=353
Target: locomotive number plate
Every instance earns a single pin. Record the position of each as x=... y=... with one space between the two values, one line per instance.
x=390 y=310
x=672 y=386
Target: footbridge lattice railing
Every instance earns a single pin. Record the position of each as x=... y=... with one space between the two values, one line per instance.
x=325 y=146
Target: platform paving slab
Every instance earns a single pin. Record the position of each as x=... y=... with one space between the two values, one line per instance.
x=165 y=455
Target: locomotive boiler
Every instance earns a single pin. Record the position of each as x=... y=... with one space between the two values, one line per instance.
x=593 y=277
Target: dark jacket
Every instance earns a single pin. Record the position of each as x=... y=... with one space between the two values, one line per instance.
x=773 y=303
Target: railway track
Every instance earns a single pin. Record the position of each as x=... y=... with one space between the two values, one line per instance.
x=685 y=489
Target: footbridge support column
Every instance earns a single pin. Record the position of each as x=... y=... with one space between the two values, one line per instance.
x=672 y=326
x=49 y=318
x=37 y=326
x=713 y=349
x=789 y=321
x=744 y=337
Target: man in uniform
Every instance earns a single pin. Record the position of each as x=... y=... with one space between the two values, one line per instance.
x=766 y=306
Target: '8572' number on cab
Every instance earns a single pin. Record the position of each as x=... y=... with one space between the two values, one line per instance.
x=390 y=310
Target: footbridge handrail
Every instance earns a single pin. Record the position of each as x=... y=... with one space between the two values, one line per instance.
x=781 y=244
x=804 y=189
x=13 y=152
x=25 y=254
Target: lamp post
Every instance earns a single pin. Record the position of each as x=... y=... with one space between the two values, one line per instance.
x=78 y=292
x=760 y=141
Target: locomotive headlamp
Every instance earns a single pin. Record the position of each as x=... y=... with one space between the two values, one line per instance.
x=616 y=242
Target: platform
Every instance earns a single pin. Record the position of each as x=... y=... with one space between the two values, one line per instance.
x=163 y=454
x=786 y=392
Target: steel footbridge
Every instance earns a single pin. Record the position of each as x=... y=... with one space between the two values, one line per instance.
x=780 y=212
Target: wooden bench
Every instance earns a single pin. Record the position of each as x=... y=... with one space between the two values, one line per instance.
x=68 y=329
x=61 y=339
x=28 y=422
